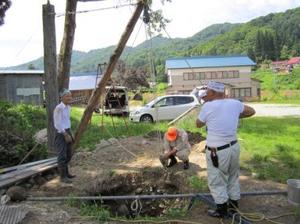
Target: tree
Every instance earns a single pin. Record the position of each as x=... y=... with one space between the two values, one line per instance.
x=4 y=5
x=65 y=54
x=284 y=53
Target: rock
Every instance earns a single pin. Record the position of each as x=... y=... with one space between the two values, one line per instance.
x=123 y=210
x=39 y=180
x=41 y=136
x=139 y=190
x=16 y=193
x=28 y=185
x=2 y=192
x=138 y=97
x=145 y=142
x=4 y=200
x=113 y=141
x=103 y=144
x=49 y=176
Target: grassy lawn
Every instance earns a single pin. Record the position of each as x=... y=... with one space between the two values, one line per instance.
x=270 y=147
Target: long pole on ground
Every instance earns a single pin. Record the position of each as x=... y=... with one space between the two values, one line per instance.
x=99 y=90
x=50 y=67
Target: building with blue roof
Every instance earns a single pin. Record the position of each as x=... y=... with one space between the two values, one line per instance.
x=186 y=73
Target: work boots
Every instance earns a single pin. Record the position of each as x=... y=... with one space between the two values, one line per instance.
x=173 y=161
x=220 y=212
x=233 y=205
x=62 y=169
x=70 y=175
x=186 y=165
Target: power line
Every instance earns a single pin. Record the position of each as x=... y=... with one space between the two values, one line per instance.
x=97 y=9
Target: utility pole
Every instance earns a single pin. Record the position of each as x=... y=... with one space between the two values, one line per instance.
x=65 y=53
x=93 y=101
x=50 y=68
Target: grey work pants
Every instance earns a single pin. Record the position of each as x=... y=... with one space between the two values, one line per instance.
x=223 y=182
x=64 y=149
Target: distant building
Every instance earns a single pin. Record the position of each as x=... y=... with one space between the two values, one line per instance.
x=279 y=66
x=82 y=85
x=184 y=74
x=21 y=86
x=285 y=66
x=295 y=61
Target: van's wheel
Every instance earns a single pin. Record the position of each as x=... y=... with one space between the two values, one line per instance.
x=146 y=118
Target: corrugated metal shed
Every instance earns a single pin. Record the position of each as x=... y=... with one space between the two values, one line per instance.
x=208 y=62
x=21 y=86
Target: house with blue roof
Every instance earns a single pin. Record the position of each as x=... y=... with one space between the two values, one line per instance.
x=186 y=73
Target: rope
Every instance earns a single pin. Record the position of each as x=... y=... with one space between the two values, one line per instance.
x=256 y=216
x=136 y=206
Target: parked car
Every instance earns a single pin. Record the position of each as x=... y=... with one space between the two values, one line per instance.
x=164 y=108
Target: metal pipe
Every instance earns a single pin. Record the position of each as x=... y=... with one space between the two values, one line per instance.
x=133 y=197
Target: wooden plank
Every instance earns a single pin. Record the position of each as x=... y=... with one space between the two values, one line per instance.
x=27 y=174
x=20 y=172
x=20 y=167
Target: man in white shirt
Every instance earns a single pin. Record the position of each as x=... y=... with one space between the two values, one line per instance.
x=221 y=117
x=63 y=139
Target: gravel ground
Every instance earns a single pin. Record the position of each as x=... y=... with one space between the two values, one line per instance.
x=275 y=110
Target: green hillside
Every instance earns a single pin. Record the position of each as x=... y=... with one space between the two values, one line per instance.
x=272 y=37
x=138 y=56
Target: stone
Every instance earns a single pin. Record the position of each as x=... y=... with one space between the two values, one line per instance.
x=113 y=141
x=139 y=190
x=17 y=193
x=41 y=136
x=123 y=210
x=103 y=144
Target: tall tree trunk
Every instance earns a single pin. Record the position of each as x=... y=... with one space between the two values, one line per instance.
x=93 y=101
x=50 y=66
x=65 y=54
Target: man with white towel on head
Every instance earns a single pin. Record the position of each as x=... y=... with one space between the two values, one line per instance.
x=221 y=117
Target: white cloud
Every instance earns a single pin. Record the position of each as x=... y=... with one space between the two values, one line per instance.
x=21 y=35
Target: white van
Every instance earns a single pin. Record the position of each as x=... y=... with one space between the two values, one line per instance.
x=116 y=100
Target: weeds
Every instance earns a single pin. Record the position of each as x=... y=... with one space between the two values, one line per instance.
x=197 y=183
x=99 y=212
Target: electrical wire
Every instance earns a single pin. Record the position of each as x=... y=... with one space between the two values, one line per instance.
x=95 y=10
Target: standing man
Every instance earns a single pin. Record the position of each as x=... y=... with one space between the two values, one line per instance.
x=176 y=144
x=63 y=139
x=221 y=117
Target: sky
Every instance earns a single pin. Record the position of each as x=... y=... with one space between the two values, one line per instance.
x=21 y=37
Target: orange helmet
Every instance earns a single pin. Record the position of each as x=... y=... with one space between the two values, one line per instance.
x=171 y=134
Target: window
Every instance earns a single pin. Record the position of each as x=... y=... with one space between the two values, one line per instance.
x=224 y=74
x=230 y=74
x=191 y=76
x=168 y=101
x=214 y=75
x=242 y=92
x=208 y=75
x=185 y=76
x=184 y=100
x=201 y=75
x=236 y=74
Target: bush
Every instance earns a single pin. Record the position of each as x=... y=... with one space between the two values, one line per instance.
x=19 y=122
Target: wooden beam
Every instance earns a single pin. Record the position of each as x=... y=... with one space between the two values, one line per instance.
x=99 y=90
x=50 y=68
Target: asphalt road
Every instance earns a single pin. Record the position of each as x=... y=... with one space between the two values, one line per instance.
x=275 y=110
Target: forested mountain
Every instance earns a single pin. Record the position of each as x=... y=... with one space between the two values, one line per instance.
x=272 y=37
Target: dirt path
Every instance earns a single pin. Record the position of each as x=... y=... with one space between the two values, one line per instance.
x=92 y=168
x=275 y=110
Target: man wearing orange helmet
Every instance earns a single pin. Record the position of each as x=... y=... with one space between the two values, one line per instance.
x=176 y=144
